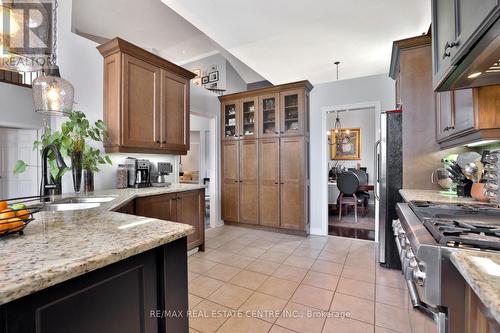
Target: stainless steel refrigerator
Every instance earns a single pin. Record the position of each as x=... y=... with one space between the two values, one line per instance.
x=389 y=152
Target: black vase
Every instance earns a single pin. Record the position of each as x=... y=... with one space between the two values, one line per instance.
x=88 y=181
x=76 y=168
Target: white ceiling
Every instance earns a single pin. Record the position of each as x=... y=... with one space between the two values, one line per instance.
x=289 y=40
x=153 y=26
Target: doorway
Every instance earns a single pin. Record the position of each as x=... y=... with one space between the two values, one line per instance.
x=17 y=144
x=201 y=164
x=351 y=151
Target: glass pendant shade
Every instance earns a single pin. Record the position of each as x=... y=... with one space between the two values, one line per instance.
x=52 y=94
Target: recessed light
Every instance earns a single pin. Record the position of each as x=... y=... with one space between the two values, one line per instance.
x=474 y=75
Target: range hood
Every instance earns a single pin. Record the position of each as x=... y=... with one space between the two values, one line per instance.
x=480 y=66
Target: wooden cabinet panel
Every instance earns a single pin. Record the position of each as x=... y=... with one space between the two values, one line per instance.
x=141 y=104
x=249 y=185
x=269 y=188
x=183 y=207
x=230 y=180
x=471 y=15
x=265 y=175
x=175 y=112
x=191 y=210
x=444 y=114
x=158 y=207
x=230 y=120
x=269 y=119
x=477 y=319
x=464 y=117
x=292 y=155
x=146 y=101
x=292 y=113
x=249 y=118
x=455 y=113
x=112 y=99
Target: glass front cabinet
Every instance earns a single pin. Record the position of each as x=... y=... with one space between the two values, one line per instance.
x=292 y=113
x=269 y=115
x=230 y=120
x=249 y=118
x=272 y=113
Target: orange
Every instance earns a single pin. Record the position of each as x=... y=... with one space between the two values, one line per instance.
x=6 y=214
x=23 y=214
x=3 y=205
x=15 y=224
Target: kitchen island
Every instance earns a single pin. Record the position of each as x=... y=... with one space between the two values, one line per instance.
x=96 y=270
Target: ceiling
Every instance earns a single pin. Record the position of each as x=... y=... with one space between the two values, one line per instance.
x=153 y=26
x=287 y=40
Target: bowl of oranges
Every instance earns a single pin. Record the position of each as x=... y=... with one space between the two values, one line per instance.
x=14 y=218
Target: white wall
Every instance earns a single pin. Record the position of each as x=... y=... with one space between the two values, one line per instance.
x=82 y=65
x=377 y=88
x=16 y=107
x=365 y=120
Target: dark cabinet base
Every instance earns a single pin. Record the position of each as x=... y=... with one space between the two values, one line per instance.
x=132 y=295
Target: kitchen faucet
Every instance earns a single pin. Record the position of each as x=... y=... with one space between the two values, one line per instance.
x=46 y=186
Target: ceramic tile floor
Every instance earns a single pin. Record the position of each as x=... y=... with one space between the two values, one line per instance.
x=258 y=281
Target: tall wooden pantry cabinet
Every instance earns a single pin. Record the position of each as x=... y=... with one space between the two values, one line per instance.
x=265 y=157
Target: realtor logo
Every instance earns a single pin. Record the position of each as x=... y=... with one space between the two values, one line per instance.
x=26 y=34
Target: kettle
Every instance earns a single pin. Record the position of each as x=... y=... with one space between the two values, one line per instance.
x=441 y=176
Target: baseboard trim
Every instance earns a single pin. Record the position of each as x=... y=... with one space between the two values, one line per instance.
x=267 y=228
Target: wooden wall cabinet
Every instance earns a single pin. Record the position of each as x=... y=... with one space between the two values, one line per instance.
x=456 y=26
x=184 y=207
x=467 y=116
x=265 y=175
x=146 y=101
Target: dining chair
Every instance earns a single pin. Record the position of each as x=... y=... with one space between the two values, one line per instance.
x=348 y=183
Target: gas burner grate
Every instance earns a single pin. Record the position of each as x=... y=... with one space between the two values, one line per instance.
x=462 y=234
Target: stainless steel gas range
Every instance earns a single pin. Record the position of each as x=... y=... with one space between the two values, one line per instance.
x=426 y=234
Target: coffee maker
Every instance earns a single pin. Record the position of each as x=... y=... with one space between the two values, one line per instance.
x=139 y=172
x=143 y=174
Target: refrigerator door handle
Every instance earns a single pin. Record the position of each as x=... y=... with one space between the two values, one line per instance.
x=377 y=169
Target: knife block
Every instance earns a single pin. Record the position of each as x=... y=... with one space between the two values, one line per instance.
x=464 y=188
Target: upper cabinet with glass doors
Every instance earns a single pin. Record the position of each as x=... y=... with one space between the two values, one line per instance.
x=269 y=112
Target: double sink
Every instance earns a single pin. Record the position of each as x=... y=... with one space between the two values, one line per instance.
x=76 y=203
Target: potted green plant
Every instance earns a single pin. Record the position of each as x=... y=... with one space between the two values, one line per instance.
x=71 y=142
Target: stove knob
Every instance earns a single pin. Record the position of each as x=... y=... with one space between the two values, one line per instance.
x=418 y=276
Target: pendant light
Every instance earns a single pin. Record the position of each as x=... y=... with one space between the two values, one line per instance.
x=52 y=94
x=338 y=126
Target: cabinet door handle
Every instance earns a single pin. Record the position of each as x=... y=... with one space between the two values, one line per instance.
x=235 y=181
x=276 y=132
x=282 y=132
x=449 y=45
x=157 y=141
x=448 y=128
x=282 y=183
x=276 y=183
x=164 y=142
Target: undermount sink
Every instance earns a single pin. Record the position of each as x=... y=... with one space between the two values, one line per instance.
x=70 y=206
x=76 y=200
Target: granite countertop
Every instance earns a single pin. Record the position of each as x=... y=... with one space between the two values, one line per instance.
x=436 y=196
x=58 y=246
x=481 y=270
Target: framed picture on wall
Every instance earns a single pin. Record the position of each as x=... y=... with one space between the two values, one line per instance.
x=204 y=80
x=197 y=82
x=348 y=145
x=197 y=72
x=213 y=77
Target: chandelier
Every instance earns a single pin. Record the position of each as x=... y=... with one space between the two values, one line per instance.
x=53 y=95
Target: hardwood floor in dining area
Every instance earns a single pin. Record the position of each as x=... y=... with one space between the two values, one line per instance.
x=364 y=228
x=260 y=281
